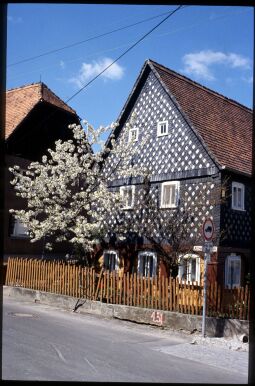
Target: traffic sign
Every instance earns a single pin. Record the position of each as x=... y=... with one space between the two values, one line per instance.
x=208 y=229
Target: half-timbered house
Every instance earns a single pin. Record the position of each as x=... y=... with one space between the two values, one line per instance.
x=198 y=141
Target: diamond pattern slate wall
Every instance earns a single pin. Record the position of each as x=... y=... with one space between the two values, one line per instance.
x=236 y=223
x=196 y=195
x=179 y=155
x=176 y=152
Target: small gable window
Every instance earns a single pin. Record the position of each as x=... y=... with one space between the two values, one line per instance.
x=238 y=196
x=127 y=194
x=170 y=194
x=133 y=134
x=162 y=128
x=111 y=261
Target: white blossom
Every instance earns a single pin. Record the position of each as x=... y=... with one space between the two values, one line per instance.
x=67 y=194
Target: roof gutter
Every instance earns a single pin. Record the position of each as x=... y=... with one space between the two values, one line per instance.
x=223 y=167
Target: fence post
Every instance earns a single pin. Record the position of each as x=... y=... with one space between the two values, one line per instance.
x=107 y=287
x=8 y=271
x=134 y=292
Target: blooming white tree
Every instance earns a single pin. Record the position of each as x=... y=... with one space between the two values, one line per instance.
x=66 y=193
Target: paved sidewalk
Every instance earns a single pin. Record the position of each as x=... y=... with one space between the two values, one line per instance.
x=214 y=356
x=229 y=354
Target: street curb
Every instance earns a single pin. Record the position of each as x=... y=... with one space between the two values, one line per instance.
x=215 y=327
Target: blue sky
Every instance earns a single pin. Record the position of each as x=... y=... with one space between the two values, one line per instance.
x=212 y=45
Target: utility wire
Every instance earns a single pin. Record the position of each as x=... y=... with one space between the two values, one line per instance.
x=85 y=41
x=43 y=121
x=124 y=53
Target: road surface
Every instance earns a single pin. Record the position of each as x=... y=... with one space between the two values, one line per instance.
x=41 y=342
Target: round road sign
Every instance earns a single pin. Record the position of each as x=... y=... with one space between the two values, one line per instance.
x=208 y=229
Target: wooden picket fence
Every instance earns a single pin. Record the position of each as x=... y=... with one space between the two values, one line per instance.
x=161 y=293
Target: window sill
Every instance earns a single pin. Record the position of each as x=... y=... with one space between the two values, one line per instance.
x=19 y=237
x=238 y=209
x=168 y=207
x=162 y=135
x=233 y=286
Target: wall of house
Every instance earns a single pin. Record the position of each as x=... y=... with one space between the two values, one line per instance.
x=235 y=227
x=29 y=141
x=180 y=155
x=236 y=224
x=44 y=125
x=15 y=246
x=18 y=246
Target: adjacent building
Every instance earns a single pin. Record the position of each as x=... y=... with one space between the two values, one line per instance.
x=35 y=119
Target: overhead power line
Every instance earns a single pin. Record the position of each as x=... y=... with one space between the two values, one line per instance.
x=84 y=41
x=125 y=52
x=42 y=122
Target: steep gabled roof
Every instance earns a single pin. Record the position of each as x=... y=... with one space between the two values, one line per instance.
x=223 y=125
x=20 y=101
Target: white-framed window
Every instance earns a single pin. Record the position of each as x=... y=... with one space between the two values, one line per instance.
x=238 y=196
x=133 y=134
x=18 y=229
x=147 y=263
x=232 y=271
x=127 y=194
x=189 y=268
x=170 y=194
x=162 y=128
x=111 y=260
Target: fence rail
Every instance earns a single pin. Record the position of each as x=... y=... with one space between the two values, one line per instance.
x=161 y=293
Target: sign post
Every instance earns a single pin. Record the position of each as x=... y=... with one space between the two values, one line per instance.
x=208 y=231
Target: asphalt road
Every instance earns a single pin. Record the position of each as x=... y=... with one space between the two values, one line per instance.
x=45 y=343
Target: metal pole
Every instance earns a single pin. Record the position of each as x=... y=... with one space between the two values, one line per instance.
x=206 y=258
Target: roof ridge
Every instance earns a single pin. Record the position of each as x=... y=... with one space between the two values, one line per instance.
x=24 y=86
x=43 y=85
x=199 y=85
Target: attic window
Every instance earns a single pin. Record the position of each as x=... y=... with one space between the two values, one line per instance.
x=133 y=134
x=162 y=128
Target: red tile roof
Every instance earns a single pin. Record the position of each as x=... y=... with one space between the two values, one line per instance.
x=20 y=101
x=224 y=124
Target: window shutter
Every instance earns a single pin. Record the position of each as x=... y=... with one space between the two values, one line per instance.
x=129 y=197
x=139 y=265
x=166 y=195
x=239 y=198
x=177 y=194
x=173 y=195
